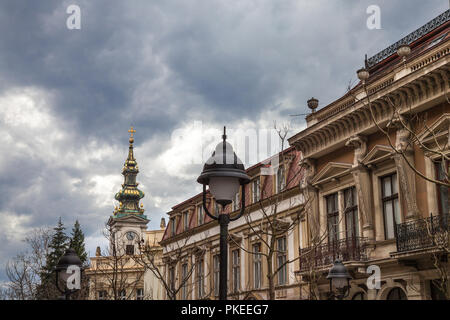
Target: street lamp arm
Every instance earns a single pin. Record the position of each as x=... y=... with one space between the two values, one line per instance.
x=204 y=204
x=242 y=204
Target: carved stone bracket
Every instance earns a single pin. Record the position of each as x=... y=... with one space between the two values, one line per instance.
x=359 y=143
x=310 y=172
x=234 y=238
x=198 y=250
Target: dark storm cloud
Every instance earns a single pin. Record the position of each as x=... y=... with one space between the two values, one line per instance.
x=158 y=65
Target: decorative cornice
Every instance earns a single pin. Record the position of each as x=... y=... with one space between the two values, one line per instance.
x=413 y=36
x=407 y=93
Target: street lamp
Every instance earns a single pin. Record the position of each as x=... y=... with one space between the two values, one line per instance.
x=69 y=264
x=339 y=281
x=224 y=173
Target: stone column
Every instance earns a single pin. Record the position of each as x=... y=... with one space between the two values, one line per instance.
x=341 y=218
x=415 y=288
x=243 y=266
x=290 y=256
x=363 y=185
x=248 y=260
x=208 y=269
x=311 y=199
x=372 y=294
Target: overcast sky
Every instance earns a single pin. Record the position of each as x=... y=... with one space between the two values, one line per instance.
x=171 y=69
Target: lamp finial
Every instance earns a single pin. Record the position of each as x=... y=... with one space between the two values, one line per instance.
x=224 y=136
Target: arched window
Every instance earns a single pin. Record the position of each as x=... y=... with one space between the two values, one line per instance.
x=396 y=294
x=359 y=296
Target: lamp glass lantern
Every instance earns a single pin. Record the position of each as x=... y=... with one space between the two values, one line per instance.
x=339 y=279
x=70 y=258
x=224 y=173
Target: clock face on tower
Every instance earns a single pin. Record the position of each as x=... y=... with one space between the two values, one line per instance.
x=130 y=235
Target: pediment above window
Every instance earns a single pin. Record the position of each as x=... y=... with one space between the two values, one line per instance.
x=281 y=225
x=333 y=170
x=198 y=250
x=234 y=238
x=436 y=136
x=378 y=154
x=170 y=260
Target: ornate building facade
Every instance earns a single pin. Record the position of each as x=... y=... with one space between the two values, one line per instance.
x=191 y=240
x=374 y=160
x=366 y=182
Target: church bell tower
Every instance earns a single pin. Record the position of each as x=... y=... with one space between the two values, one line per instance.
x=128 y=222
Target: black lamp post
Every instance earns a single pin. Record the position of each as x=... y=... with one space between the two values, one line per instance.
x=224 y=173
x=69 y=260
x=339 y=280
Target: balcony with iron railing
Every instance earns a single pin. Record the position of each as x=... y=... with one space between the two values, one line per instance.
x=422 y=234
x=347 y=249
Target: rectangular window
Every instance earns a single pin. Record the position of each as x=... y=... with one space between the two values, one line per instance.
x=140 y=294
x=256 y=191
x=172 y=279
x=236 y=202
x=351 y=213
x=391 y=211
x=443 y=191
x=129 y=249
x=281 y=260
x=102 y=295
x=200 y=279
x=236 y=269
x=216 y=271
x=332 y=217
x=281 y=179
x=172 y=226
x=184 y=273
x=200 y=215
x=186 y=220
x=257 y=266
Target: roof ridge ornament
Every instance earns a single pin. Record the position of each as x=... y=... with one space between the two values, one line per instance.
x=131 y=131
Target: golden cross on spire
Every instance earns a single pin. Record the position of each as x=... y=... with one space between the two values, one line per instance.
x=131 y=131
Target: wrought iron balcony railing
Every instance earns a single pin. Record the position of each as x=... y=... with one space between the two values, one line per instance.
x=348 y=249
x=422 y=233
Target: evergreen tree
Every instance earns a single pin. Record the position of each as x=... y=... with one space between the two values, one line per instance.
x=77 y=242
x=57 y=248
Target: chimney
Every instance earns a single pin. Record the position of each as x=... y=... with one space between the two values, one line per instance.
x=98 y=252
x=163 y=223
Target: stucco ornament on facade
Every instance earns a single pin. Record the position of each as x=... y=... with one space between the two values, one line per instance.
x=359 y=143
x=406 y=175
x=309 y=173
